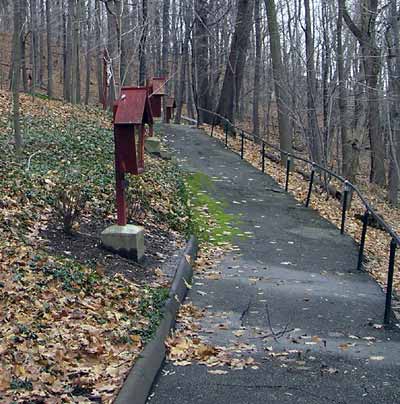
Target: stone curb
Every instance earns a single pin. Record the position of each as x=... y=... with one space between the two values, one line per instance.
x=141 y=377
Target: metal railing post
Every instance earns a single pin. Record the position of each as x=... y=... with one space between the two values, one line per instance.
x=212 y=127
x=288 y=163
x=344 y=206
x=263 y=157
x=310 y=185
x=389 y=287
x=362 y=241
x=241 y=145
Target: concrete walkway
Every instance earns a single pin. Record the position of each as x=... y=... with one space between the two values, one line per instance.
x=317 y=313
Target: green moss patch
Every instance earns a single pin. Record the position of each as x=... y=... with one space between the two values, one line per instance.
x=209 y=219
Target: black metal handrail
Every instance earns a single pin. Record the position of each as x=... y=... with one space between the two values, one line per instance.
x=229 y=127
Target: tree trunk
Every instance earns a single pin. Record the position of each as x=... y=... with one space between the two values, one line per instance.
x=231 y=87
x=142 y=46
x=34 y=45
x=172 y=85
x=184 y=63
x=366 y=36
x=393 y=63
x=282 y=99
x=68 y=51
x=41 y=45
x=99 y=53
x=77 y=59
x=49 y=51
x=165 y=38
x=156 y=43
x=126 y=53
x=88 y=51
x=16 y=77
x=346 y=145
x=165 y=51
x=201 y=58
x=257 y=69
x=23 y=48
x=314 y=137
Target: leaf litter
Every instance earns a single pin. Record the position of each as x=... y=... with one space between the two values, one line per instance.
x=70 y=331
x=187 y=346
x=189 y=343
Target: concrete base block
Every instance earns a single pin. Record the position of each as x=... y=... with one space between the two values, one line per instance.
x=165 y=155
x=153 y=145
x=127 y=241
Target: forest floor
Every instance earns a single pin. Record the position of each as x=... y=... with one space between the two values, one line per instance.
x=73 y=317
x=377 y=240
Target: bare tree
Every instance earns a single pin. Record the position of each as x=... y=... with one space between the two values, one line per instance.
x=201 y=57
x=142 y=45
x=49 y=50
x=184 y=61
x=231 y=87
x=282 y=100
x=393 y=64
x=312 y=120
x=257 y=69
x=16 y=77
x=366 y=36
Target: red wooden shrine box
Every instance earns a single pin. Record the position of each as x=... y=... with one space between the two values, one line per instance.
x=131 y=113
x=157 y=91
x=171 y=105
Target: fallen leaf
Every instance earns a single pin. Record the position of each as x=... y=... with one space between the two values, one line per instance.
x=217 y=372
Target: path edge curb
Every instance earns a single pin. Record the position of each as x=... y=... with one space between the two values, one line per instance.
x=140 y=379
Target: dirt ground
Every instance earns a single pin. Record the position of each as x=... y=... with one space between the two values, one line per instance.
x=162 y=250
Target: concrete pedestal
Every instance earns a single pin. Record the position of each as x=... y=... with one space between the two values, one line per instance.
x=153 y=145
x=127 y=241
x=166 y=155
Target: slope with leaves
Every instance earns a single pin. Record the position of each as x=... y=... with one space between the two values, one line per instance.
x=69 y=331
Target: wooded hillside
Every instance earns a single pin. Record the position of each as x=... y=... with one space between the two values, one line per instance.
x=324 y=73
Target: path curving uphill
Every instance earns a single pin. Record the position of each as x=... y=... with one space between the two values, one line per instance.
x=293 y=291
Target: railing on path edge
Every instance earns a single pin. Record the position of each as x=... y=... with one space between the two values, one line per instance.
x=229 y=128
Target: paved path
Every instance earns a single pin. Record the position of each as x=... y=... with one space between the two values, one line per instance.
x=307 y=285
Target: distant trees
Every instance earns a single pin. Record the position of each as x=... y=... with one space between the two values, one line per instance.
x=366 y=36
x=320 y=74
x=15 y=83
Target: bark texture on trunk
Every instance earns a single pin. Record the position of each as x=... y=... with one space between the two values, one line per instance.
x=184 y=66
x=49 y=50
x=257 y=69
x=201 y=57
x=16 y=76
x=142 y=46
x=393 y=64
x=313 y=135
x=282 y=99
x=231 y=87
x=366 y=36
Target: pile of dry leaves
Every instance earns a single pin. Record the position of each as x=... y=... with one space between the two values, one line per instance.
x=186 y=346
x=70 y=329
